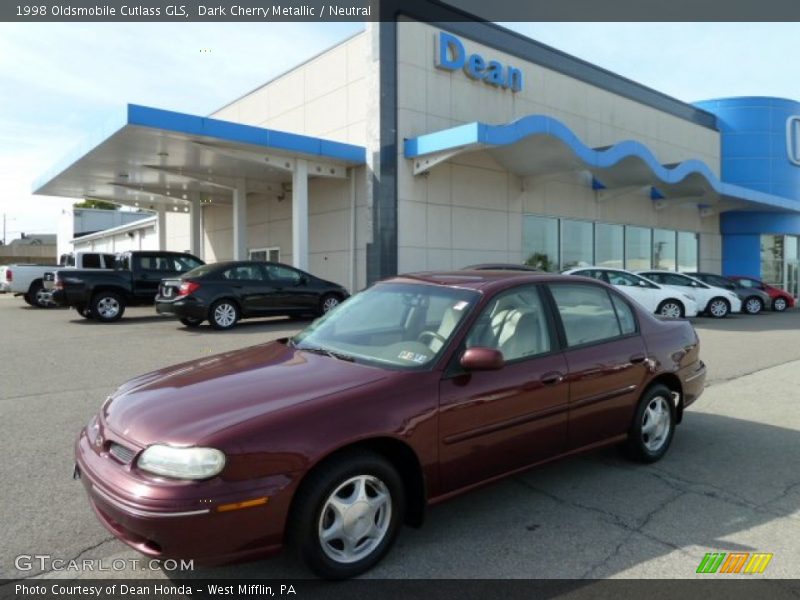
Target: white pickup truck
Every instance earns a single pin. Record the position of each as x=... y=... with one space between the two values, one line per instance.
x=28 y=280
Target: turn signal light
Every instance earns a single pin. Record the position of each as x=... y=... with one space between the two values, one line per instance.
x=245 y=504
x=188 y=287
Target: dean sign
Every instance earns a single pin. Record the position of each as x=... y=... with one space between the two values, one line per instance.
x=451 y=55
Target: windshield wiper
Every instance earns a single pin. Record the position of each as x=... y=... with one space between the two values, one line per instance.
x=326 y=352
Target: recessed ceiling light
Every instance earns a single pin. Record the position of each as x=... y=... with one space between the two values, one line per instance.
x=122 y=175
x=163 y=153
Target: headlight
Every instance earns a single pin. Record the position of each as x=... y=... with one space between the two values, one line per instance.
x=182 y=463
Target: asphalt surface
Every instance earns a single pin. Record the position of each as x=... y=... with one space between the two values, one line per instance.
x=730 y=481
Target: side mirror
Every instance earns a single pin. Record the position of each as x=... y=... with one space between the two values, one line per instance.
x=642 y=283
x=482 y=359
x=303 y=280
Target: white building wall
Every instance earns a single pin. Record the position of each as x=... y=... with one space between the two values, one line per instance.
x=269 y=225
x=469 y=209
x=324 y=97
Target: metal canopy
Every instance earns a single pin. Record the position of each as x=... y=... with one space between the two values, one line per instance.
x=154 y=158
x=539 y=146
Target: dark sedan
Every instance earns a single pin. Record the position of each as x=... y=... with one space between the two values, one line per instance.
x=226 y=292
x=411 y=392
x=753 y=300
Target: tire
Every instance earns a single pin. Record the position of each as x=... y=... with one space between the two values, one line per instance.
x=718 y=308
x=223 y=314
x=653 y=425
x=779 y=304
x=753 y=305
x=671 y=308
x=38 y=295
x=370 y=491
x=328 y=302
x=107 y=307
x=191 y=322
x=84 y=311
x=28 y=300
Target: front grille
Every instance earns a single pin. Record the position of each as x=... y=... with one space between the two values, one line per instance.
x=121 y=453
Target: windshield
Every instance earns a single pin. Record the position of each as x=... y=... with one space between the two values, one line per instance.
x=398 y=325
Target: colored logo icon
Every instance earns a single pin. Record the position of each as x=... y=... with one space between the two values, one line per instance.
x=744 y=563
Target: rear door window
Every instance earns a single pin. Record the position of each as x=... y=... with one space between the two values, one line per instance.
x=588 y=314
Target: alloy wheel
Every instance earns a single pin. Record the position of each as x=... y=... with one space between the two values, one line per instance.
x=107 y=307
x=671 y=309
x=42 y=298
x=655 y=424
x=753 y=306
x=329 y=304
x=225 y=315
x=779 y=304
x=355 y=519
x=718 y=308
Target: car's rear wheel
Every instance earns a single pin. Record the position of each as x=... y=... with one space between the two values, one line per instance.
x=347 y=514
x=671 y=308
x=653 y=425
x=107 y=307
x=84 y=311
x=328 y=302
x=753 y=305
x=223 y=314
x=718 y=308
x=779 y=304
x=191 y=321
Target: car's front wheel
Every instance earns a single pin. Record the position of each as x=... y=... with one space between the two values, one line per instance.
x=39 y=295
x=328 y=302
x=653 y=425
x=671 y=308
x=107 y=307
x=347 y=514
x=191 y=321
x=779 y=304
x=223 y=314
x=718 y=308
x=753 y=305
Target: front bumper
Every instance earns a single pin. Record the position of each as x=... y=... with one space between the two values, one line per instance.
x=179 y=519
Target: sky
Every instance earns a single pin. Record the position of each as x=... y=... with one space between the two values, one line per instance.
x=60 y=81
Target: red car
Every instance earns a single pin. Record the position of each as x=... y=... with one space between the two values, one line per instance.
x=407 y=394
x=781 y=300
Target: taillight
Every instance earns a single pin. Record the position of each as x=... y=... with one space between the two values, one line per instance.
x=188 y=287
x=9 y=275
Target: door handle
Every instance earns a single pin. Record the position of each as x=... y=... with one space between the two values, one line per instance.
x=552 y=378
x=638 y=358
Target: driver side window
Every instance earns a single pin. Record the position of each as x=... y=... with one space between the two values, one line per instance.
x=515 y=323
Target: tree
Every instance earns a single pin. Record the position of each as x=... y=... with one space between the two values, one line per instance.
x=101 y=204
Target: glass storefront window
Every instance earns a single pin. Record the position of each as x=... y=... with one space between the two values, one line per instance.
x=638 y=248
x=576 y=244
x=609 y=245
x=687 y=251
x=664 y=249
x=540 y=242
x=772 y=259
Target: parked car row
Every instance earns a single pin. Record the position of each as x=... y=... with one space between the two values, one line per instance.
x=183 y=286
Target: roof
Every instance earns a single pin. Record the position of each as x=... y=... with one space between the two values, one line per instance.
x=539 y=145
x=148 y=156
x=481 y=280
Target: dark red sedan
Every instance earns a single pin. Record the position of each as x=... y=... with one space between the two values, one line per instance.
x=407 y=394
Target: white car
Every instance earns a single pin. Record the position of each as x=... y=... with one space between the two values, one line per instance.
x=659 y=299
x=714 y=301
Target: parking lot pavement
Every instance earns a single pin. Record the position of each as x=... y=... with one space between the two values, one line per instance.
x=729 y=483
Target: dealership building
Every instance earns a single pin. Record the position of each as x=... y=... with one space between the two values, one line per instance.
x=425 y=143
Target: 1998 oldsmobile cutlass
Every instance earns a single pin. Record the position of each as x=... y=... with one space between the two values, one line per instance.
x=413 y=391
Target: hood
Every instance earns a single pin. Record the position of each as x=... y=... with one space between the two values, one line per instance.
x=187 y=403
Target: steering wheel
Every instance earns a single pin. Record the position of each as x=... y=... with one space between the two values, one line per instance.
x=431 y=334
